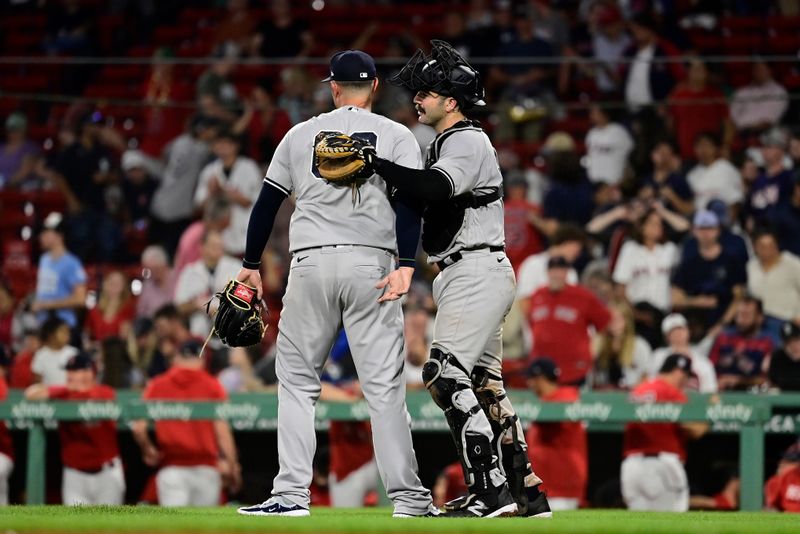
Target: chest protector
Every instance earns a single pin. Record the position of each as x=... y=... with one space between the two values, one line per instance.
x=443 y=221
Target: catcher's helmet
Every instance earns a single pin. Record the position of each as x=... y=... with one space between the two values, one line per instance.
x=444 y=72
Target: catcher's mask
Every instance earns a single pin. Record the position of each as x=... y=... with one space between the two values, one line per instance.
x=444 y=72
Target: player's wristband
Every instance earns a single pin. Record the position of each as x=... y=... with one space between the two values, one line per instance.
x=251 y=265
x=407 y=262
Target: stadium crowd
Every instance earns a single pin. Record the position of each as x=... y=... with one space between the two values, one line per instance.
x=663 y=218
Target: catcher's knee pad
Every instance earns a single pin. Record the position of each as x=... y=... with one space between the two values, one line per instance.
x=449 y=387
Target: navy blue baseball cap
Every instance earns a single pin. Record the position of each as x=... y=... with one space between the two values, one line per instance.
x=544 y=367
x=352 y=66
x=79 y=362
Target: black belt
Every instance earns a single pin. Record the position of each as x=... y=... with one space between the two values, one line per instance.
x=456 y=256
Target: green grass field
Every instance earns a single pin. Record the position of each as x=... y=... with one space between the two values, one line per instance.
x=103 y=519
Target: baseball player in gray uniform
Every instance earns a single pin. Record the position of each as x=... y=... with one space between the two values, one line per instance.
x=459 y=193
x=342 y=274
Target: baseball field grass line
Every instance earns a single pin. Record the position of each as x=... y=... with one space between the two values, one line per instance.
x=141 y=519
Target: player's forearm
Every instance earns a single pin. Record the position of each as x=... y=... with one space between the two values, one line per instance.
x=408 y=228
x=227 y=445
x=262 y=218
x=426 y=184
x=139 y=432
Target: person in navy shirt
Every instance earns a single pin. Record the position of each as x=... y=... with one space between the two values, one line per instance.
x=786 y=220
x=775 y=184
x=668 y=182
x=61 y=281
x=709 y=280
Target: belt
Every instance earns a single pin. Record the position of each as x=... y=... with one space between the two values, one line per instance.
x=457 y=256
x=341 y=246
x=94 y=471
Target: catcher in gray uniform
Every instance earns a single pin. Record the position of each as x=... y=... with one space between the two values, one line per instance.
x=343 y=274
x=459 y=194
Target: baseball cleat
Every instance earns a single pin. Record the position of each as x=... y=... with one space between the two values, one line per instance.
x=474 y=506
x=273 y=508
x=538 y=507
x=432 y=512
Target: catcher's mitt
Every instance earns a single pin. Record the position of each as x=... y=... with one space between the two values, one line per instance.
x=238 y=321
x=342 y=159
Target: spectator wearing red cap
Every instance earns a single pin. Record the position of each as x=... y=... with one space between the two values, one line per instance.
x=193 y=456
x=560 y=312
x=783 y=368
x=6 y=449
x=652 y=473
x=559 y=449
x=89 y=450
x=782 y=491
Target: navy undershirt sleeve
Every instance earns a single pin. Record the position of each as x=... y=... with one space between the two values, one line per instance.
x=262 y=218
x=429 y=185
x=408 y=227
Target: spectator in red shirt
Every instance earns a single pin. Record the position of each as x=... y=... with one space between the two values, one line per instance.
x=115 y=310
x=696 y=107
x=194 y=457
x=559 y=450
x=89 y=450
x=782 y=491
x=6 y=449
x=6 y=315
x=163 y=121
x=263 y=123
x=741 y=352
x=653 y=476
x=522 y=237
x=20 y=374
x=559 y=318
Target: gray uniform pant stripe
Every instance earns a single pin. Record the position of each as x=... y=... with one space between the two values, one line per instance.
x=329 y=288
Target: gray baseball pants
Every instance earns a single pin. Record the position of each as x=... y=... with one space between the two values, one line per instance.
x=331 y=287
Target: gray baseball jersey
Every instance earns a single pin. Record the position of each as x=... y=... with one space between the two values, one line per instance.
x=346 y=249
x=324 y=213
x=467 y=158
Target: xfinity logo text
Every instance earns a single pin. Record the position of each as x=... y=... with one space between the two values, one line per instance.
x=171 y=411
x=99 y=410
x=659 y=412
x=594 y=411
x=729 y=412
